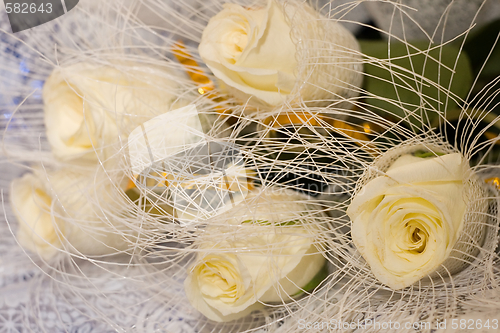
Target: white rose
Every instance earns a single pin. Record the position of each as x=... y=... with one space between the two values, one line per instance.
x=250 y=50
x=259 y=260
x=60 y=212
x=407 y=222
x=39 y=231
x=87 y=106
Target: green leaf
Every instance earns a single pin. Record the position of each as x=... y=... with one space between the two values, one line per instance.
x=266 y=222
x=403 y=87
x=426 y=154
x=316 y=280
x=478 y=46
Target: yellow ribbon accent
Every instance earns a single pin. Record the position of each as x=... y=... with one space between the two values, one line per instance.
x=130 y=184
x=196 y=74
x=493 y=181
x=192 y=68
x=303 y=118
x=185 y=182
x=492 y=136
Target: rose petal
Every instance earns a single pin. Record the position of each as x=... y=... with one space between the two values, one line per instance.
x=415 y=192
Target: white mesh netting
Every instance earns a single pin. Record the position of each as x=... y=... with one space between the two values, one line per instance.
x=132 y=200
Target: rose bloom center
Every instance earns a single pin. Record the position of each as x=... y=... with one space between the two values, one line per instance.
x=413 y=222
x=219 y=279
x=235 y=40
x=417 y=236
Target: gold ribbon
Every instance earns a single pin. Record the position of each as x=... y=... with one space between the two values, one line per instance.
x=193 y=69
x=495 y=181
x=166 y=180
x=206 y=87
x=341 y=127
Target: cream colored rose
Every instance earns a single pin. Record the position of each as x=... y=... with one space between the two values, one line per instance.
x=407 y=222
x=55 y=212
x=88 y=106
x=251 y=51
x=39 y=231
x=241 y=266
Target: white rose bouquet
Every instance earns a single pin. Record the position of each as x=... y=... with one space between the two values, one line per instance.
x=87 y=106
x=257 y=256
x=254 y=52
x=415 y=221
x=61 y=211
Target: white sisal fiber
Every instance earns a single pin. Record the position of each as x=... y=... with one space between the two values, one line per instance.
x=140 y=288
